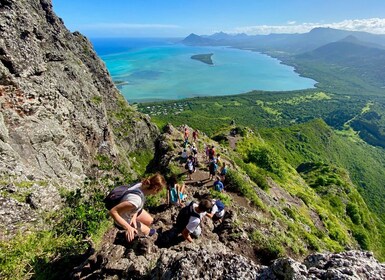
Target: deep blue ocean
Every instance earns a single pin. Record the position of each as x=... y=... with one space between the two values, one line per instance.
x=157 y=69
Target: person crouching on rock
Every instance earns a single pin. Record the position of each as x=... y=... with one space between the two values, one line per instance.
x=189 y=218
x=129 y=213
x=218 y=211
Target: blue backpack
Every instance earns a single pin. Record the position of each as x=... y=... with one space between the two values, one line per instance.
x=173 y=195
x=218 y=186
x=220 y=205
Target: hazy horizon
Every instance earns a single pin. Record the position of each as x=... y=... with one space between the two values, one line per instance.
x=179 y=18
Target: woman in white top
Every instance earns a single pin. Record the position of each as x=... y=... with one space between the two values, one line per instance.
x=129 y=213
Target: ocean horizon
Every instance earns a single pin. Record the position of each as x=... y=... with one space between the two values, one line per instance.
x=148 y=69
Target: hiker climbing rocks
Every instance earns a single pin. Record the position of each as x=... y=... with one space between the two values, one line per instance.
x=175 y=192
x=218 y=211
x=190 y=166
x=218 y=185
x=211 y=153
x=195 y=135
x=184 y=156
x=186 y=136
x=212 y=169
x=189 y=219
x=207 y=148
x=126 y=206
x=194 y=150
x=218 y=160
x=223 y=172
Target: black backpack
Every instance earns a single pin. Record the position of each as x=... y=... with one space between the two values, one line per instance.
x=116 y=195
x=184 y=216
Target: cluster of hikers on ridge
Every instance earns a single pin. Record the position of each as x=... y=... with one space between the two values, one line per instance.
x=125 y=203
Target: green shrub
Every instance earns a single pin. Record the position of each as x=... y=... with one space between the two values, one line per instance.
x=257 y=175
x=313 y=242
x=240 y=184
x=82 y=216
x=157 y=199
x=225 y=198
x=266 y=159
x=104 y=162
x=290 y=213
x=353 y=212
x=304 y=197
x=267 y=247
x=22 y=257
x=362 y=239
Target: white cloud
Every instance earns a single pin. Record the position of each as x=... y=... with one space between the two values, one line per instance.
x=372 y=25
x=115 y=26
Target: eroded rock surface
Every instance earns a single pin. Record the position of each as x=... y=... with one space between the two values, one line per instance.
x=59 y=106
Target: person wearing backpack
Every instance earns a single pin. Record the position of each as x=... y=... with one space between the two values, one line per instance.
x=195 y=135
x=189 y=219
x=126 y=206
x=218 y=210
x=218 y=185
x=175 y=192
x=212 y=169
x=223 y=172
x=211 y=153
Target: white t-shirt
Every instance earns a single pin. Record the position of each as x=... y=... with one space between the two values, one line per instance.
x=194 y=222
x=214 y=210
x=135 y=200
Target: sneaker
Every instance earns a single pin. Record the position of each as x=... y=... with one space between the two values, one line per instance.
x=152 y=232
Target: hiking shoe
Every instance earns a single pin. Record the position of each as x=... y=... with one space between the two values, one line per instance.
x=152 y=232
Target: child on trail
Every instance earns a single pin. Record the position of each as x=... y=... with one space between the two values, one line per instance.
x=190 y=167
x=223 y=172
x=189 y=219
x=212 y=169
x=217 y=211
x=218 y=185
x=129 y=214
x=175 y=192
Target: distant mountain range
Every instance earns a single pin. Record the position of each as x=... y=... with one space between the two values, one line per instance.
x=289 y=43
x=344 y=61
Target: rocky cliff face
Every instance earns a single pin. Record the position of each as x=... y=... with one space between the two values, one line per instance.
x=59 y=106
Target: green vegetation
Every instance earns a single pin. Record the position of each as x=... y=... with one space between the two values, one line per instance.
x=140 y=161
x=239 y=183
x=97 y=100
x=259 y=109
x=32 y=254
x=305 y=132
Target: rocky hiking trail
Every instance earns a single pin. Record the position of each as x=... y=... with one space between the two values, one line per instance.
x=223 y=251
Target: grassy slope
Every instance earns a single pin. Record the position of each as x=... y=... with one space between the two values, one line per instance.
x=290 y=124
x=344 y=216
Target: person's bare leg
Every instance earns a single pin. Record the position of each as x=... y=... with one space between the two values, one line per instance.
x=146 y=220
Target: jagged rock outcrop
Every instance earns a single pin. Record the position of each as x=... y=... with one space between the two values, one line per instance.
x=208 y=258
x=59 y=106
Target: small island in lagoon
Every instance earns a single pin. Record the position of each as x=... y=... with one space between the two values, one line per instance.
x=205 y=58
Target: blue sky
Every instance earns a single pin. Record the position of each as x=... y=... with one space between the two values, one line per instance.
x=178 y=18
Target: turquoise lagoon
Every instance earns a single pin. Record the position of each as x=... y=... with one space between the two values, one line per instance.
x=156 y=69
